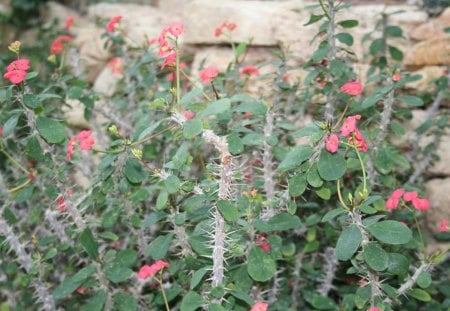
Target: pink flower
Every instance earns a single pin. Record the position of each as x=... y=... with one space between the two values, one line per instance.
x=397 y=194
x=176 y=29
x=391 y=203
x=116 y=65
x=420 y=204
x=263 y=244
x=332 y=143
x=208 y=74
x=358 y=141
x=250 y=70
x=58 y=45
x=72 y=142
x=15 y=76
x=171 y=76
x=444 y=225
x=225 y=24
x=352 y=88
x=81 y=290
x=148 y=271
x=374 y=309
x=409 y=196
x=113 y=23
x=349 y=125
x=188 y=115
x=69 y=22
x=165 y=49
x=170 y=60
x=20 y=64
x=396 y=77
x=86 y=140
x=260 y=306
x=61 y=204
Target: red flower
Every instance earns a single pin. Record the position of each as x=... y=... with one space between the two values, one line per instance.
x=20 y=64
x=61 y=204
x=332 y=143
x=409 y=196
x=260 y=306
x=15 y=76
x=86 y=140
x=208 y=74
x=444 y=225
x=81 y=290
x=396 y=77
x=176 y=29
x=352 y=88
x=72 y=142
x=420 y=204
x=188 y=115
x=358 y=141
x=116 y=65
x=391 y=203
x=58 y=45
x=349 y=125
x=69 y=22
x=263 y=244
x=113 y=23
x=225 y=24
x=170 y=60
x=374 y=309
x=397 y=194
x=148 y=271
x=250 y=70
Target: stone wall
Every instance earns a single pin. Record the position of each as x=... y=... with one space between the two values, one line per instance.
x=274 y=24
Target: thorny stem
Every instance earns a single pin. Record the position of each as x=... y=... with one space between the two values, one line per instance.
x=269 y=185
x=329 y=108
x=177 y=74
x=330 y=267
x=424 y=266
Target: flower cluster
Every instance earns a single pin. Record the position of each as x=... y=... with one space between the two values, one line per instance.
x=113 y=23
x=85 y=141
x=444 y=225
x=260 y=306
x=350 y=130
x=148 y=271
x=166 y=49
x=116 y=65
x=69 y=22
x=250 y=71
x=225 y=25
x=352 y=88
x=420 y=204
x=58 y=45
x=208 y=74
x=17 y=70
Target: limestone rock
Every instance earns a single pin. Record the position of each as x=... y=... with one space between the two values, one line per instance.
x=431 y=28
x=54 y=10
x=106 y=82
x=441 y=167
x=434 y=51
x=437 y=193
x=428 y=74
x=74 y=114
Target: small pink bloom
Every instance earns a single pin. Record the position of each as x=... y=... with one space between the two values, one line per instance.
x=391 y=203
x=160 y=264
x=262 y=243
x=15 y=76
x=70 y=147
x=349 y=125
x=58 y=45
x=397 y=194
x=20 y=64
x=420 y=204
x=250 y=70
x=208 y=74
x=86 y=140
x=225 y=24
x=352 y=88
x=176 y=29
x=116 y=65
x=444 y=225
x=113 y=23
x=358 y=141
x=409 y=196
x=260 y=306
x=81 y=290
x=165 y=50
x=231 y=26
x=145 y=272
x=170 y=60
x=332 y=143
x=396 y=77
x=217 y=32
x=374 y=309
x=188 y=115
x=61 y=204
x=69 y=22
x=152 y=41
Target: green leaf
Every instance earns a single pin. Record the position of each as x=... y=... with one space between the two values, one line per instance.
x=348 y=243
x=125 y=302
x=332 y=214
x=197 y=277
x=147 y=131
x=192 y=128
x=383 y=161
x=228 y=210
x=297 y=184
x=172 y=184
x=240 y=49
x=216 y=107
x=254 y=108
x=320 y=54
x=189 y=97
x=313 y=177
x=396 y=54
x=134 y=171
x=71 y=283
x=375 y=257
x=375 y=46
x=191 y=301
x=412 y=101
x=235 y=144
x=117 y=273
x=320 y=302
x=313 y=19
x=331 y=166
x=126 y=258
x=95 y=303
x=33 y=149
x=419 y=294
x=424 y=280
x=31 y=101
x=398 y=264
x=394 y=31
x=345 y=38
x=261 y=266
x=10 y=124
x=390 y=232
x=324 y=193
x=371 y=100
x=337 y=67
x=349 y=23
x=158 y=248
x=89 y=243
x=295 y=157
x=75 y=92
x=51 y=130
x=280 y=222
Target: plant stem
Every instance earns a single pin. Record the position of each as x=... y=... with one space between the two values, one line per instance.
x=177 y=73
x=13 y=160
x=166 y=303
x=341 y=199
x=343 y=114
x=424 y=250
x=152 y=136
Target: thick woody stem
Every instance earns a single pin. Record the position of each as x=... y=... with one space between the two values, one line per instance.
x=269 y=184
x=329 y=108
x=330 y=268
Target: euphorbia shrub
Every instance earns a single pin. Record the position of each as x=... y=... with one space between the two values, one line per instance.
x=195 y=195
